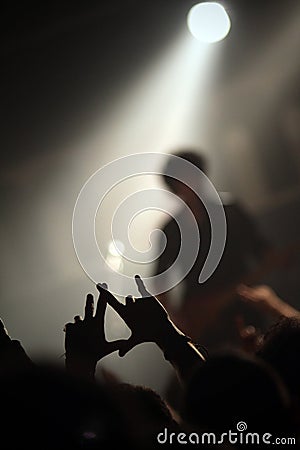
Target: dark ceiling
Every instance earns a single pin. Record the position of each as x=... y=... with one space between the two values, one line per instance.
x=58 y=58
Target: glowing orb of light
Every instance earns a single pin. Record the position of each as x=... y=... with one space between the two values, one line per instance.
x=208 y=22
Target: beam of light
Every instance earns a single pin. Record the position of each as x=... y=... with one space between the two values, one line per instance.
x=159 y=107
x=208 y=22
x=162 y=107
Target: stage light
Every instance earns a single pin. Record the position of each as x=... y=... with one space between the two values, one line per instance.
x=208 y=22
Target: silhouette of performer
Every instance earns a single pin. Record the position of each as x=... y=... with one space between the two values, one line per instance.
x=204 y=311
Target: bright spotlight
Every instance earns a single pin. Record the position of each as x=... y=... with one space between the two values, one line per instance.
x=208 y=22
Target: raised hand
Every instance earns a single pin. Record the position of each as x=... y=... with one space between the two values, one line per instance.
x=145 y=316
x=85 y=341
x=264 y=297
x=262 y=294
x=149 y=322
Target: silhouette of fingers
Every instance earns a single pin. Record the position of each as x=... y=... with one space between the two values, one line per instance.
x=68 y=326
x=111 y=299
x=89 y=307
x=129 y=300
x=101 y=304
x=141 y=287
x=77 y=319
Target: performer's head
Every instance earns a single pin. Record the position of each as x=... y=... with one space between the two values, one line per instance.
x=175 y=168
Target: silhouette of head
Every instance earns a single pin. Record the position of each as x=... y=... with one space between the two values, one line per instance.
x=46 y=408
x=232 y=387
x=281 y=348
x=177 y=169
x=147 y=413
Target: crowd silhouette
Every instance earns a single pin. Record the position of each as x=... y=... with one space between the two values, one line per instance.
x=45 y=407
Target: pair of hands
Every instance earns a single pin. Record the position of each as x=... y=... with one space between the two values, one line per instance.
x=146 y=317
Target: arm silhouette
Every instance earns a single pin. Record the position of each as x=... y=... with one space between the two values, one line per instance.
x=265 y=298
